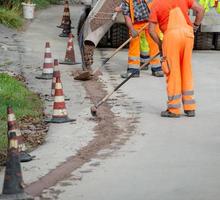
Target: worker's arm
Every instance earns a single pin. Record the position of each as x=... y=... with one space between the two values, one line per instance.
x=154 y=35
x=127 y=15
x=199 y=10
x=129 y=24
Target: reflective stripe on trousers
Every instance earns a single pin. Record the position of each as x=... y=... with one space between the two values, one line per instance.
x=135 y=48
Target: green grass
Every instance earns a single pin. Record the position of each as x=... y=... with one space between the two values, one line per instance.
x=11 y=11
x=44 y=3
x=24 y=102
x=10 y=18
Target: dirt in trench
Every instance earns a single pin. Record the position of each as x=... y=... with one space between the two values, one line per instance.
x=108 y=133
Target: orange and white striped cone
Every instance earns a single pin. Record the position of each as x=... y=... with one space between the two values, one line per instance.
x=48 y=64
x=70 y=53
x=59 y=107
x=13 y=187
x=56 y=73
x=13 y=127
x=66 y=14
x=66 y=29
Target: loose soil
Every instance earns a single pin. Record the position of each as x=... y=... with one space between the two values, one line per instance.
x=106 y=133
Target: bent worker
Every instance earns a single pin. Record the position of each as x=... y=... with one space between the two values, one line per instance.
x=144 y=46
x=136 y=13
x=172 y=17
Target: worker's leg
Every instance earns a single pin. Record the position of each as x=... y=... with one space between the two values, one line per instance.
x=155 y=64
x=144 y=49
x=134 y=56
x=186 y=71
x=171 y=50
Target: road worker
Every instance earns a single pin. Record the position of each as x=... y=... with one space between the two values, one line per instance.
x=136 y=13
x=172 y=17
x=144 y=46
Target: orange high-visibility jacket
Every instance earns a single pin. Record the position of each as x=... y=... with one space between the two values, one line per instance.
x=130 y=2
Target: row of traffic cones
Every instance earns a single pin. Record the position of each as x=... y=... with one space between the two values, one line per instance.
x=66 y=21
x=57 y=95
x=51 y=71
x=13 y=187
x=48 y=65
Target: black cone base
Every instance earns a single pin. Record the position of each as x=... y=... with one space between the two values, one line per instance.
x=19 y=196
x=64 y=35
x=66 y=62
x=60 y=120
x=45 y=76
x=25 y=157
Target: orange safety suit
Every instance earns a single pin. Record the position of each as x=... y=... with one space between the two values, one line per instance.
x=134 y=46
x=177 y=49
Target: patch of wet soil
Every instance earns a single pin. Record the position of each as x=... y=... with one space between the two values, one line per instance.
x=107 y=135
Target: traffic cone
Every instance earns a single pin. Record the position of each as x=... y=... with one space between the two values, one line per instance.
x=59 y=106
x=66 y=14
x=70 y=53
x=13 y=127
x=56 y=73
x=48 y=64
x=66 y=29
x=13 y=187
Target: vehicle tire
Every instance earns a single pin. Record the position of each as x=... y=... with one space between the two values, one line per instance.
x=203 y=41
x=217 y=41
x=119 y=34
x=104 y=41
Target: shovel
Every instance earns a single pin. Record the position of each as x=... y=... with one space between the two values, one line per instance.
x=85 y=73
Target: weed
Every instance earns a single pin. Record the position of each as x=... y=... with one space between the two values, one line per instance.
x=10 y=18
x=24 y=102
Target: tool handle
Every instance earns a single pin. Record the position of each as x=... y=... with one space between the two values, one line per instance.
x=132 y=74
x=118 y=49
x=104 y=99
x=123 y=82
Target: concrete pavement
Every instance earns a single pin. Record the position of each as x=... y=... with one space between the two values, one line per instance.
x=169 y=159
x=166 y=159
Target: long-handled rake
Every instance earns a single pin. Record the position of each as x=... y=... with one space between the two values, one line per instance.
x=94 y=108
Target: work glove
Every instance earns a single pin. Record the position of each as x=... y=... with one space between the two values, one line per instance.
x=134 y=33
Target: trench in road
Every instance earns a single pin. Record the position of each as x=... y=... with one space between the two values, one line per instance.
x=106 y=133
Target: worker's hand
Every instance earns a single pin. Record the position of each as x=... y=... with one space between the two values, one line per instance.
x=118 y=9
x=134 y=33
x=195 y=27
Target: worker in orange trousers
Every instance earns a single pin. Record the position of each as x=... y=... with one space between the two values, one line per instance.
x=176 y=48
x=136 y=13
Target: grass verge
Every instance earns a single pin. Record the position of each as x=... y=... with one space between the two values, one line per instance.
x=24 y=102
x=10 y=18
x=11 y=12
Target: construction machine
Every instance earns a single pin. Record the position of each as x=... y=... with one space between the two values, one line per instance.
x=115 y=32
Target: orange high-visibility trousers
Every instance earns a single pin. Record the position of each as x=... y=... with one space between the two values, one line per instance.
x=134 y=49
x=177 y=49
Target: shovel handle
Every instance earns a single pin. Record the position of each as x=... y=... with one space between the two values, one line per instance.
x=118 y=49
x=124 y=81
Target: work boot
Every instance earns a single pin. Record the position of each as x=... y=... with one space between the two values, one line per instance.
x=129 y=71
x=190 y=113
x=167 y=113
x=157 y=71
